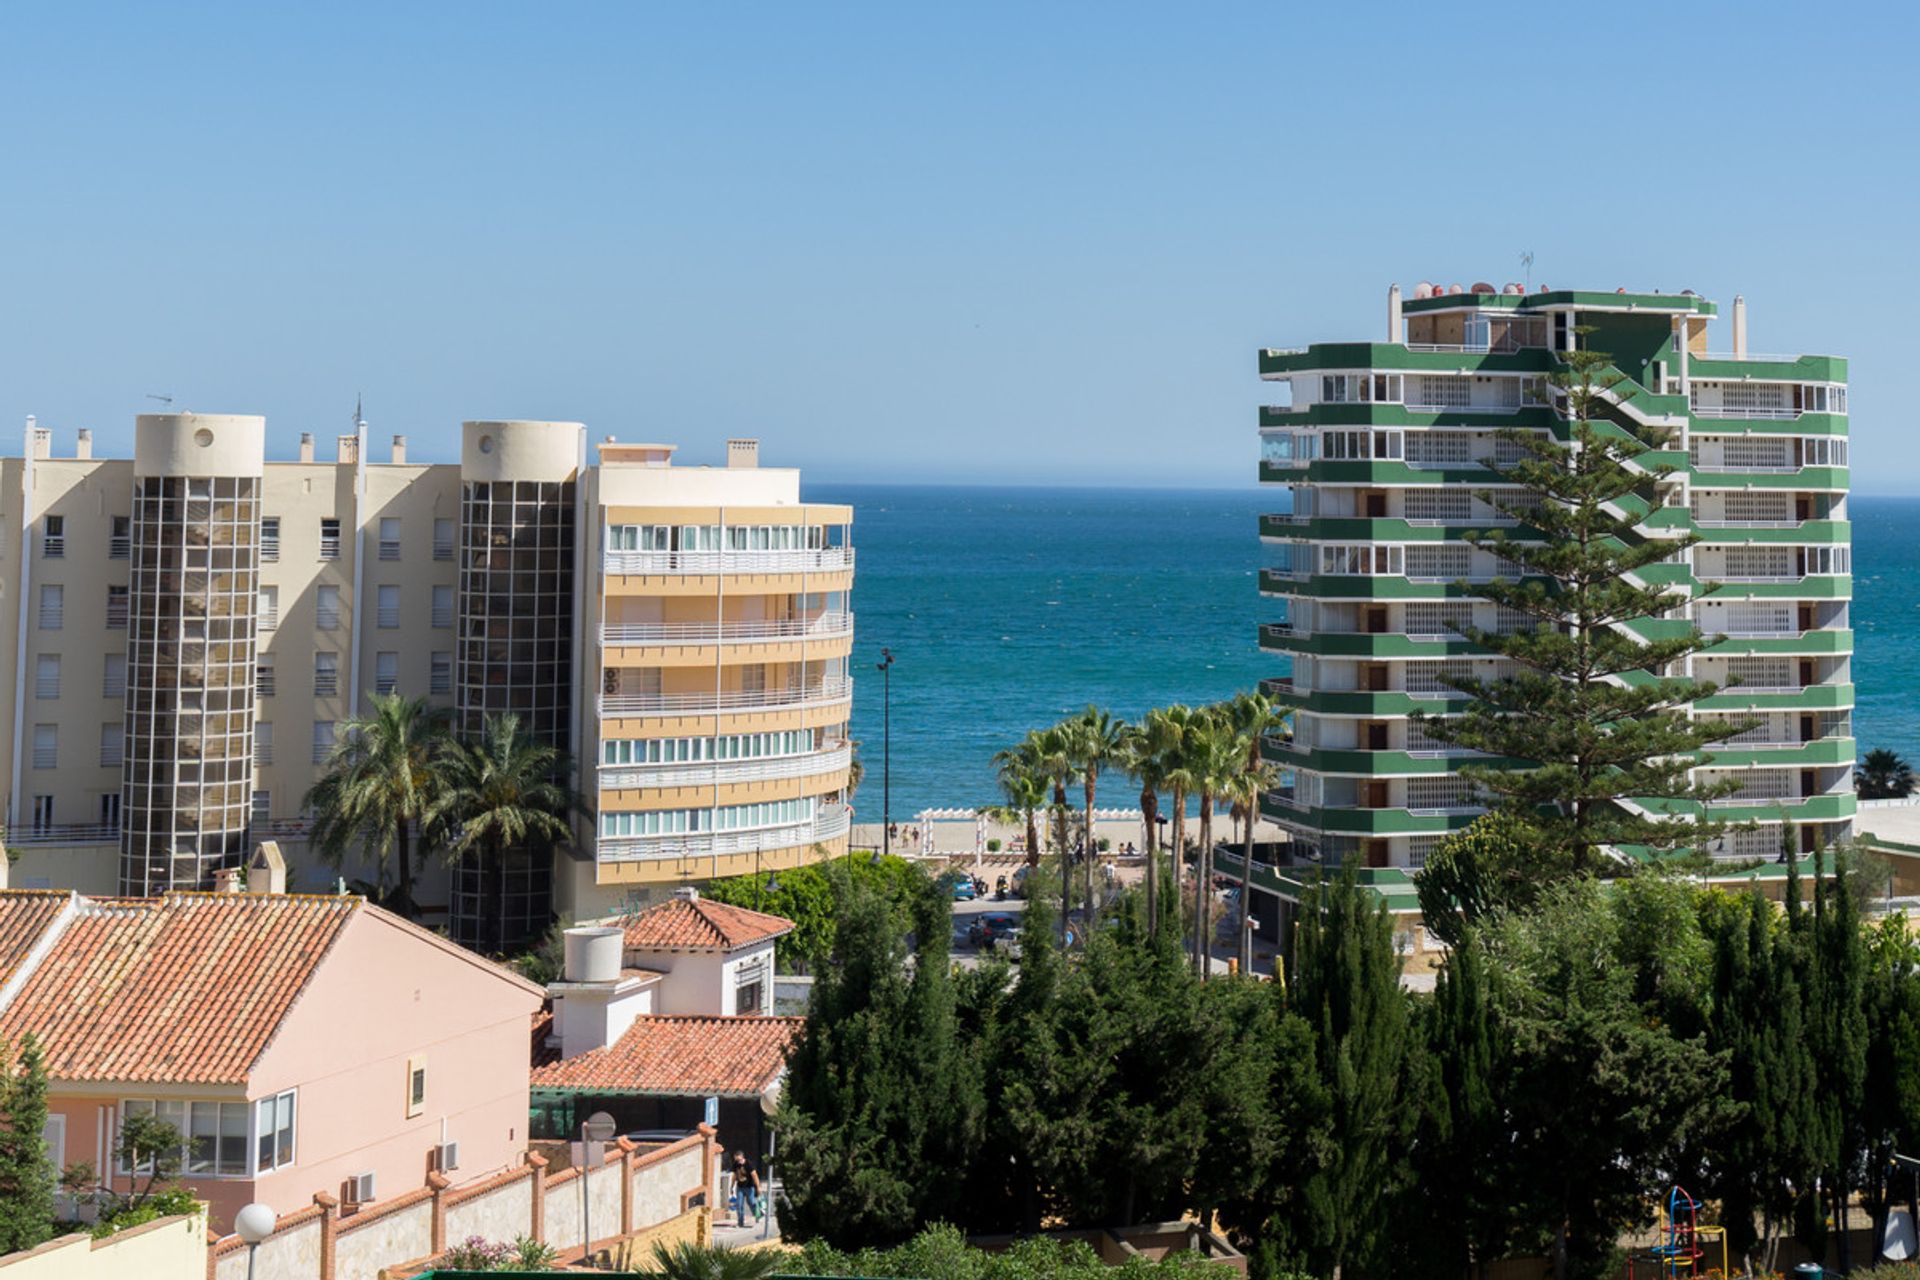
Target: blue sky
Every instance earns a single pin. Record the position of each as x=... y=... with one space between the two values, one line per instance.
x=895 y=242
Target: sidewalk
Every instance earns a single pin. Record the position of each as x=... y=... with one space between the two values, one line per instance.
x=728 y=1236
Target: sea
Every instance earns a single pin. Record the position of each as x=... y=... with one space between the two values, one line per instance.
x=1007 y=609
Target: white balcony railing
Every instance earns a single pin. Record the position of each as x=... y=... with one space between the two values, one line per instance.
x=820 y=693
x=829 y=822
x=1780 y=414
x=65 y=833
x=618 y=777
x=818 y=560
x=826 y=626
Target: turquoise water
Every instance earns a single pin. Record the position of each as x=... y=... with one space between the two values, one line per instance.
x=1007 y=609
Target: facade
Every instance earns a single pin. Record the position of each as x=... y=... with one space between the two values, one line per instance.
x=1379 y=446
x=301 y=1044
x=194 y=625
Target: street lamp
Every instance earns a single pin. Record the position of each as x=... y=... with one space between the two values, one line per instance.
x=885 y=668
x=254 y=1223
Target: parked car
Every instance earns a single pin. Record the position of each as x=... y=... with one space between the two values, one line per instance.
x=960 y=886
x=1003 y=924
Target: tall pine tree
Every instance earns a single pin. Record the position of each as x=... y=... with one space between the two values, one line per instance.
x=1592 y=705
x=26 y=1175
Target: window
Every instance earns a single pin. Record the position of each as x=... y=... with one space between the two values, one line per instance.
x=443 y=606
x=113 y=680
x=326 y=608
x=213 y=1135
x=46 y=676
x=416 y=1085
x=389 y=537
x=53 y=542
x=270 y=539
x=322 y=740
x=113 y=736
x=269 y=616
x=330 y=539
x=120 y=542
x=273 y=1127
x=110 y=811
x=46 y=746
x=116 y=608
x=263 y=676
x=1440 y=447
x=326 y=674
x=440 y=674
x=443 y=539
x=1439 y=506
x=388 y=607
x=53 y=606
x=748 y=998
x=42 y=814
x=263 y=742
x=1822 y=451
x=386 y=672
x=262 y=806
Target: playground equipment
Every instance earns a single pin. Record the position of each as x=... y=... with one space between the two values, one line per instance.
x=1683 y=1248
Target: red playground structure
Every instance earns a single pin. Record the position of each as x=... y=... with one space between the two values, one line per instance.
x=1680 y=1253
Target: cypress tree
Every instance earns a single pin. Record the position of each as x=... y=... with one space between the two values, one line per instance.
x=1591 y=708
x=26 y=1175
x=1468 y=1206
x=1839 y=1033
x=1346 y=986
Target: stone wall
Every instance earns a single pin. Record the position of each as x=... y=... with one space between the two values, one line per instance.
x=637 y=1194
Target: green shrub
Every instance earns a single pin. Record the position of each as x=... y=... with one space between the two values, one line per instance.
x=941 y=1253
x=164 y=1203
x=993 y=846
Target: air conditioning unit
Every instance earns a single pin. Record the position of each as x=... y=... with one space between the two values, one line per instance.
x=358 y=1189
x=446 y=1157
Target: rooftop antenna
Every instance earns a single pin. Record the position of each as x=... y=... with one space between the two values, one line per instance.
x=166 y=400
x=1526 y=260
x=358 y=420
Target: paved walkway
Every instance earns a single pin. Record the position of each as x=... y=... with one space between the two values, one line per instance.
x=726 y=1235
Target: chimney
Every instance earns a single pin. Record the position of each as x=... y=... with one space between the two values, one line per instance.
x=399 y=451
x=594 y=1003
x=1393 y=314
x=228 y=880
x=83 y=446
x=1739 y=327
x=267 y=870
x=686 y=893
x=39 y=439
x=743 y=454
x=306 y=446
x=348 y=450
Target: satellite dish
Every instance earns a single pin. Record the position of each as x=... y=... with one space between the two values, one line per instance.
x=1898 y=1244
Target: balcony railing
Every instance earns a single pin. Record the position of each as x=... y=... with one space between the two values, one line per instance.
x=829 y=822
x=616 y=777
x=820 y=693
x=826 y=626
x=65 y=833
x=1782 y=413
x=389 y=548
x=818 y=560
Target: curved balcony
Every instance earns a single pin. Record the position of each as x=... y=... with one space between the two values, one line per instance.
x=814 y=560
x=828 y=626
x=793 y=698
x=829 y=822
x=623 y=777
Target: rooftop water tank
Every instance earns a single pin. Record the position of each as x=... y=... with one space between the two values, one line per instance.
x=593 y=954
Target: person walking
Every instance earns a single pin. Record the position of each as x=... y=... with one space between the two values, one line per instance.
x=746 y=1190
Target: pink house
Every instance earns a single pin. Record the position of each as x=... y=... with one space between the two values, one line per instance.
x=301 y=1044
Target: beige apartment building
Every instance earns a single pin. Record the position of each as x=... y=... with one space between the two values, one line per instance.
x=195 y=625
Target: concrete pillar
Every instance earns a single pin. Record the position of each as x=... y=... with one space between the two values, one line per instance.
x=329 y=1233
x=628 y=1158
x=1680 y=354
x=1393 y=314
x=1739 y=327
x=537 y=1198
x=438 y=1183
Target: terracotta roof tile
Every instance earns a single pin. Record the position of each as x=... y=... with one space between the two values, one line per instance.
x=24 y=916
x=188 y=987
x=698 y=924
x=686 y=1055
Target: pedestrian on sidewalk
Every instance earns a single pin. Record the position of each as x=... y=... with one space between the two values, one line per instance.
x=746 y=1190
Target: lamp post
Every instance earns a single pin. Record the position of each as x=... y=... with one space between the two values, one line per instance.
x=885 y=668
x=254 y=1223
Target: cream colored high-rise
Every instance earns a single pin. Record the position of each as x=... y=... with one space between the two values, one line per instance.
x=682 y=632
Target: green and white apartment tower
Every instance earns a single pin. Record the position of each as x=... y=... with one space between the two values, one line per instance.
x=1380 y=446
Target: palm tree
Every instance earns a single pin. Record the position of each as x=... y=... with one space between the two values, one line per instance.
x=1183 y=724
x=690 y=1261
x=379 y=784
x=1095 y=738
x=1025 y=791
x=1148 y=752
x=1052 y=755
x=1214 y=756
x=1253 y=716
x=502 y=790
x=1883 y=775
